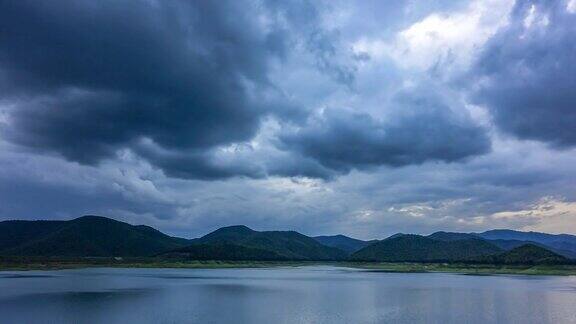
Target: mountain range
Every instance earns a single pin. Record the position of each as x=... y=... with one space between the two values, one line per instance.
x=563 y=244
x=97 y=236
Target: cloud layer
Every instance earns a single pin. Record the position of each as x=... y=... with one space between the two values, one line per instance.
x=187 y=78
x=322 y=116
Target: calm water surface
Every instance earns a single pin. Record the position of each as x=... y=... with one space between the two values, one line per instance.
x=281 y=295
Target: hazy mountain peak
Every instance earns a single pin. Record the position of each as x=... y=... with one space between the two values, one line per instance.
x=343 y=242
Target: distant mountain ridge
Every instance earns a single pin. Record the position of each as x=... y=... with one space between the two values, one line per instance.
x=507 y=234
x=344 y=243
x=563 y=244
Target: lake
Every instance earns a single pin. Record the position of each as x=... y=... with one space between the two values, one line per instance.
x=281 y=295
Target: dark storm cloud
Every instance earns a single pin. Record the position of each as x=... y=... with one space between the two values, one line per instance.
x=421 y=128
x=88 y=78
x=526 y=74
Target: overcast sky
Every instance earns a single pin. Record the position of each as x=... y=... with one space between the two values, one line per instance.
x=365 y=118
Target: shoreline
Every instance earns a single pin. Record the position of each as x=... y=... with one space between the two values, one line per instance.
x=390 y=267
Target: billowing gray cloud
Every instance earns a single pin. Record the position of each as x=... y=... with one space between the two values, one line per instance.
x=87 y=79
x=421 y=127
x=526 y=74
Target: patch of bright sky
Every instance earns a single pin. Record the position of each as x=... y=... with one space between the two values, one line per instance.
x=571 y=6
x=454 y=37
x=440 y=37
x=549 y=214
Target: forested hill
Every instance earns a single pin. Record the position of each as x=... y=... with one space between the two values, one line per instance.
x=285 y=245
x=416 y=248
x=93 y=236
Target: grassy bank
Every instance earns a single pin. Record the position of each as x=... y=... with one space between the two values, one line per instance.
x=472 y=269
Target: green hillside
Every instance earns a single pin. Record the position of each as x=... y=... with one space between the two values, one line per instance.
x=93 y=236
x=527 y=254
x=287 y=245
x=416 y=248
